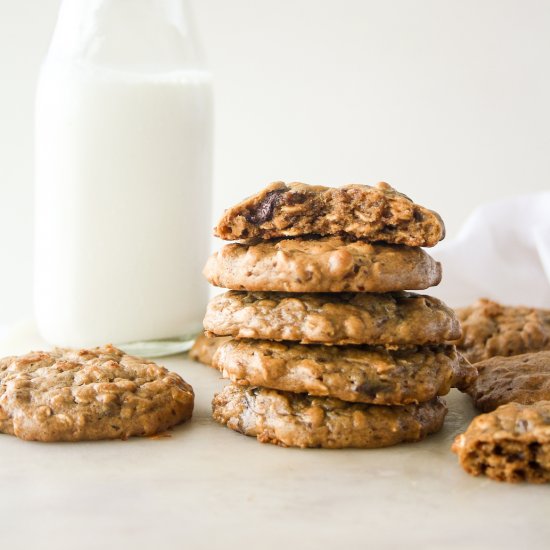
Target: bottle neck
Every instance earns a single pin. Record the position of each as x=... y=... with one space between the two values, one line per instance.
x=132 y=35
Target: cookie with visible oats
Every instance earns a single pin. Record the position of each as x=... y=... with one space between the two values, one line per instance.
x=377 y=213
x=101 y=393
x=399 y=318
x=364 y=374
x=297 y=420
x=490 y=329
x=205 y=347
x=511 y=444
x=328 y=264
x=522 y=378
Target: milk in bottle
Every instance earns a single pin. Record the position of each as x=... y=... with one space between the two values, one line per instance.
x=123 y=169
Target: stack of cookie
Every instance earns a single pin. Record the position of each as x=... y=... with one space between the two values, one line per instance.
x=328 y=349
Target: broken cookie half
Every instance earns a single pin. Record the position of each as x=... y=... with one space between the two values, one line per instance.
x=511 y=444
x=378 y=213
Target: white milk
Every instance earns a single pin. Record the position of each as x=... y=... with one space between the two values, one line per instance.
x=123 y=160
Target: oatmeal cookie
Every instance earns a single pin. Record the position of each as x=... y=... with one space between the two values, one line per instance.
x=365 y=374
x=373 y=213
x=400 y=318
x=205 y=347
x=521 y=378
x=295 y=420
x=490 y=329
x=101 y=393
x=328 y=264
x=511 y=443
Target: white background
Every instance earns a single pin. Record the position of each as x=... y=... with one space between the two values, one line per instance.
x=447 y=100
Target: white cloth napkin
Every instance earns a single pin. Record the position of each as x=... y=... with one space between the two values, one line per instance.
x=502 y=252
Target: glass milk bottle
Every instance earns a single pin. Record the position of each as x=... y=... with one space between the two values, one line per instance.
x=123 y=177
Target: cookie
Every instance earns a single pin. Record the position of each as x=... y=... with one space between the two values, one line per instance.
x=373 y=213
x=521 y=378
x=297 y=420
x=511 y=443
x=328 y=264
x=101 y=393
x=361 y=318
x=366 y=374
x=205 y=347
x=490 y=329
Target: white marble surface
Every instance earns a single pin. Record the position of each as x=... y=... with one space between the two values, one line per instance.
x=208 y=487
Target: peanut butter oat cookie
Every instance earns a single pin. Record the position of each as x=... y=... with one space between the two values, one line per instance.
x=328 y=264
x=511 y=443
x=374 y=213
x=490 y=329
x=352 y=318
x=521 y=378
x=101 y=393
x=205 y=347
x=295 y=420
x=365 y=374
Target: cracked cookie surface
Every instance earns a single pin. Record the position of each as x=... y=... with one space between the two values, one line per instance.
x=350 y=318
x=363 y=374
x=377 y=213
x=297 y=420
x=328 y=264
x=511 y=444
x=522 y=378
x=101 y=393
x=490 y=329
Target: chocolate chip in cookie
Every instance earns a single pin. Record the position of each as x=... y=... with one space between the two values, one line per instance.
x=263 y=210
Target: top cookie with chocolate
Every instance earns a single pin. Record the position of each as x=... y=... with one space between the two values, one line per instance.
x=377 y=213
